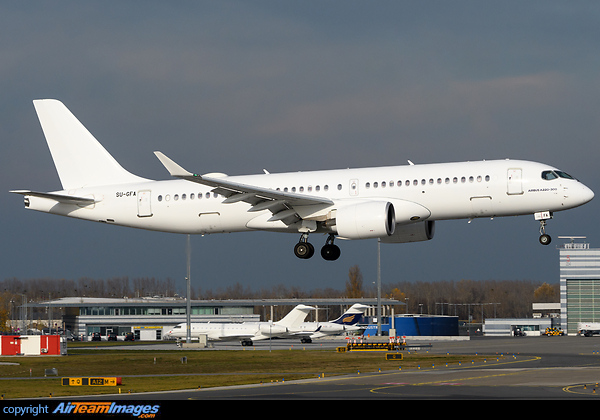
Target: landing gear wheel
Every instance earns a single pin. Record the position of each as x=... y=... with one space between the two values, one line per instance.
x=304 y=250
x=330 y=252
x=545 y=239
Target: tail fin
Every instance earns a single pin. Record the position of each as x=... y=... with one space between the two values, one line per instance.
x=295 y=317
x=352 y=315
x=79 y=159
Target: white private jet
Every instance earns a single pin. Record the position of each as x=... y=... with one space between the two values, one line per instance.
x=347 y=322
x=396 y=203
x=246 y=332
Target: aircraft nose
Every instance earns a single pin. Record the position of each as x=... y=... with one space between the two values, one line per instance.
x=585 y=194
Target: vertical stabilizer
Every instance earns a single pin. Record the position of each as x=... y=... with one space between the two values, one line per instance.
x=352 y=315
x=295 y=317
x=79 y=159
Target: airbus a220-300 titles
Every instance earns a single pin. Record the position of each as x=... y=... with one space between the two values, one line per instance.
x=396 y=204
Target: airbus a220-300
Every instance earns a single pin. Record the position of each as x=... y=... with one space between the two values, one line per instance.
x=396 y=204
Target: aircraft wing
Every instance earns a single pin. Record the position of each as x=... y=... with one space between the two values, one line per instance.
x=305 y=333
x=61 y=198
x=236 y=336
x=280 y=203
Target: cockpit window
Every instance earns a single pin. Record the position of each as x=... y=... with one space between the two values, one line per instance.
x=550 y=175
x=564 y=175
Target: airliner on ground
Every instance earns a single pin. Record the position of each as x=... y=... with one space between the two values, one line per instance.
x=246 y=332
x=347 y=322
x=396 y=204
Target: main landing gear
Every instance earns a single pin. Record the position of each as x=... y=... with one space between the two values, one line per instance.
x=545 y=239
x=304 y=249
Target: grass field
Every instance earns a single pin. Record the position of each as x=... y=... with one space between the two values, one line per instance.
x=158 y=370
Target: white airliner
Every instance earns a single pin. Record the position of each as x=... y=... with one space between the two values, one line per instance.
x=347 y=322
x=246 y=332
x=395 y=203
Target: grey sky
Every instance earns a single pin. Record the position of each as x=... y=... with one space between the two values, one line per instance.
x=236 y=87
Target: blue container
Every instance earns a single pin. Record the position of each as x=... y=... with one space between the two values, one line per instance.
x=418 y=326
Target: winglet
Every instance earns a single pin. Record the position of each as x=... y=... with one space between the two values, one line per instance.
x=173 y=168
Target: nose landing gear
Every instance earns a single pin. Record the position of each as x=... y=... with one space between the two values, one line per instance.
x=545 y=239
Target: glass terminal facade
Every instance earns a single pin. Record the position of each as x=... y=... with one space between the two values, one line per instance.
x=579 y=285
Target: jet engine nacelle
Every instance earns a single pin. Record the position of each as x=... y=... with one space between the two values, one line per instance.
x=414 y=232
x=372 y=219
x=272 y=329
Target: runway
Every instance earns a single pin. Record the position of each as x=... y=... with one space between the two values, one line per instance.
x=518 y=368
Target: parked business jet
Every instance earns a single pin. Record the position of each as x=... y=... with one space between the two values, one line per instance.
x=347 y=322
x=396 y=204
x=246 y=332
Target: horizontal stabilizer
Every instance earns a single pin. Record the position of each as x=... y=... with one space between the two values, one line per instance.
x=61 y=198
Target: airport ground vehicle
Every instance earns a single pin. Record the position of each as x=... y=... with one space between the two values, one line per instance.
x=552 y=331
x=588 y=329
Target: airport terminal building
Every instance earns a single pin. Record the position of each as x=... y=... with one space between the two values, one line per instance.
x=579 y=268
x=579 y=284
x=149 y=318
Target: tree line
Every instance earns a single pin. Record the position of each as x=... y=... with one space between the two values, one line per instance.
x=467 y=299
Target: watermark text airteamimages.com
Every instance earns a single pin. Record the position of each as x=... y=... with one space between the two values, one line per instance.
x=142 y=411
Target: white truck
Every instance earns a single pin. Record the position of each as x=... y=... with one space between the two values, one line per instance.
x=588 y=329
